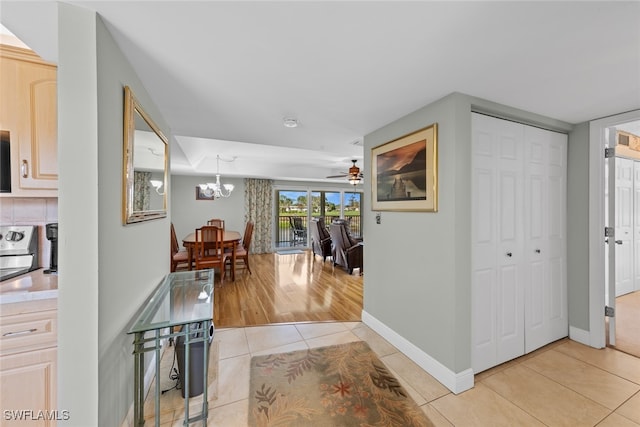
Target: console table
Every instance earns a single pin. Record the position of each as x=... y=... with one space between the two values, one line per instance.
x=183 y=299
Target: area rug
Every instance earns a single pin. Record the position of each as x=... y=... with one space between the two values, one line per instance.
x=290 y=252
x=342 y=385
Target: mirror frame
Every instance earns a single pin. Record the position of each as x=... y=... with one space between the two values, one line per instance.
x=129 y=215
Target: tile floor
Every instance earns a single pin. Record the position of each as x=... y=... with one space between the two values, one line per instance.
x=562 y=384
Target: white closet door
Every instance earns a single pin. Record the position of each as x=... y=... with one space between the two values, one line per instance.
x=624 y=226
x=546 y=317
x=498 y=289
x=636 y=224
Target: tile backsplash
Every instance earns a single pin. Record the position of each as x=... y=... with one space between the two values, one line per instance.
x=31 y=211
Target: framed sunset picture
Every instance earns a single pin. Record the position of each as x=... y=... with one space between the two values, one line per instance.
x=404 y=173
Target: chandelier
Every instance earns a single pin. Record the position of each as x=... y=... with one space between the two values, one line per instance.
x=215 y=189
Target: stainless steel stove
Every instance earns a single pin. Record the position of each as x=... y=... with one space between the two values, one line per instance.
x=18 y=250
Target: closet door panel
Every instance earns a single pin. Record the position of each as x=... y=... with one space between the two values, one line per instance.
x=557 y=301
x=546 y=317
x=483 y=322
x=509 y=255
x=484 y=237
x=497 y=243
x=556 y=247
x=510 y=338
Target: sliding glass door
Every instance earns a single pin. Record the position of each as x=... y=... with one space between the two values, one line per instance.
x=296 y=208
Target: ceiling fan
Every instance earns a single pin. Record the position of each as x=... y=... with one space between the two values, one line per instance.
x=354 y=174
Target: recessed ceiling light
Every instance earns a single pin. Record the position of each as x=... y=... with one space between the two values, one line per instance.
x=290 y=122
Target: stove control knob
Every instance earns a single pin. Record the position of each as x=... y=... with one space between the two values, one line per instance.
x=15 y=236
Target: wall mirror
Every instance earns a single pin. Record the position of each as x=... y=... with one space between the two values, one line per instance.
x=146 y=160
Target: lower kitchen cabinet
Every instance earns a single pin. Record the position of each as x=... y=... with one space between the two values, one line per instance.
x=28 y=364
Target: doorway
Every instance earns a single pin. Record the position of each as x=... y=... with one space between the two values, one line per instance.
x=619 y=331
x=627 y=238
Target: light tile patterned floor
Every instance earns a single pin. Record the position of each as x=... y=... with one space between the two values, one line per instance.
x=562 y=384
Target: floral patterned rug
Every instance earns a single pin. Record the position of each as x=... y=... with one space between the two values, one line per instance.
x=342 y=385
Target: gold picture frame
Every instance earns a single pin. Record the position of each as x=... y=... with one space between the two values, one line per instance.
x=404 y=173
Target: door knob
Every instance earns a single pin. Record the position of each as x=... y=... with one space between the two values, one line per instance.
x=618 y=242
x=509 y=254
x=537 y=251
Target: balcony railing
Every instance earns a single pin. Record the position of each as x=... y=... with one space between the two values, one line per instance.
x=285 y=236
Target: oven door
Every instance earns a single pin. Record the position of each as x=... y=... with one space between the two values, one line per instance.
x=14 y=265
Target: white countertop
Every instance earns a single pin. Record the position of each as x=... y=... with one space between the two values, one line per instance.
x=28 y=287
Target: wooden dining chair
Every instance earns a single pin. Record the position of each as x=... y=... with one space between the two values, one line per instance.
x=209 y=249
x=242 y=250
x=217 y=222
x=178 y=257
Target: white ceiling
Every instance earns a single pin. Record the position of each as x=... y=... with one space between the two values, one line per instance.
x=225 y=74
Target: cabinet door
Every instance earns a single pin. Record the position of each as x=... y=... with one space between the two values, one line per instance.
x=546 y=316
x=28 y=384
x=38 y=148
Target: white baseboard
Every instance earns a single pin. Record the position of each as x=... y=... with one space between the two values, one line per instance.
x=580 y=335
x=456 y=382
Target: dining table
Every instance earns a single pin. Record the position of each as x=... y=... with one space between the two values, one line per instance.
x=231 y=239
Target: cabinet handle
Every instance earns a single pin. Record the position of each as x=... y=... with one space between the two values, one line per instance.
x=24 y=169
x=26 y=331
x=509 y=254
x=618 y=242
x=537 y=251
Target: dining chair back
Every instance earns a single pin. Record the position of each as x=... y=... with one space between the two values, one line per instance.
x=217 y=222
x=242 y=250
x=178 y=257
x=209 y=249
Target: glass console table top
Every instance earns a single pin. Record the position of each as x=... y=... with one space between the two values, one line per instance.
x=182 y=297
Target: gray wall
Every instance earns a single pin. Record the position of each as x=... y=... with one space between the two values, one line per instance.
x=78 y=252
x=106 y=269
x=578 y=227
x=418 y=264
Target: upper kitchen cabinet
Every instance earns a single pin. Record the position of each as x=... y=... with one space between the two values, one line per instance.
x=28 y=120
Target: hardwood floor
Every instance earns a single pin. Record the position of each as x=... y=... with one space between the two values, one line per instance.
x=295 y=287
x=627 y=325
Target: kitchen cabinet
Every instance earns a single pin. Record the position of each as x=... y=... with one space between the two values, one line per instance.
x=28 y=112
x=28 y=356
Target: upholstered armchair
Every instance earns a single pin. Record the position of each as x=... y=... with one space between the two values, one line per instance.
x=320 y=238
x=346 y=251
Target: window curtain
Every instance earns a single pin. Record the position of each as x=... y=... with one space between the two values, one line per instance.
x=142 y=197
x=258 y=207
